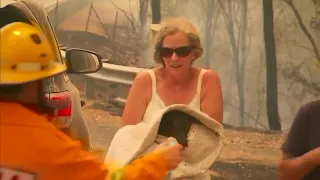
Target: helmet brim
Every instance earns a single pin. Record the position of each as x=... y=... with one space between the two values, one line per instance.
x=25 y=77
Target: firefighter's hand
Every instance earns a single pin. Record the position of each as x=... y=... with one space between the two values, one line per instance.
x=172 y=153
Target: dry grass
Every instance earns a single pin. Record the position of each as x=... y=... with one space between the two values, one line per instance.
x=251 y=147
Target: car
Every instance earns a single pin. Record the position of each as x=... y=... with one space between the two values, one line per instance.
x=59 y=92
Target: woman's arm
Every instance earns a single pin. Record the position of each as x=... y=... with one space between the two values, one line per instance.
x=212 y=101
x=137 y=99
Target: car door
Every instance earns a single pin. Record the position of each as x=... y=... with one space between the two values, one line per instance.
x=58 y=90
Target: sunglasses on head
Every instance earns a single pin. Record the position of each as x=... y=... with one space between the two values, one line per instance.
x=182 y=51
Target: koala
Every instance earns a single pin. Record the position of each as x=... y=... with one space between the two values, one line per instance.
x=176 y=124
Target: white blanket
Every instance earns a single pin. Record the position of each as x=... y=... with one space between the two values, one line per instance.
x=204 y=143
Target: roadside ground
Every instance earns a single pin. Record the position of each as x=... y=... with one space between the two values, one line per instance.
x=247 y=154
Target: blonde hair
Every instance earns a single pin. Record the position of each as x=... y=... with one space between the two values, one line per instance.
x=173 y=26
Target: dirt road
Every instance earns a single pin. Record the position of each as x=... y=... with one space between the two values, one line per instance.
x=246 y=154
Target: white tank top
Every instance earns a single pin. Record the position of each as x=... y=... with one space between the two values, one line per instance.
x=157 y=104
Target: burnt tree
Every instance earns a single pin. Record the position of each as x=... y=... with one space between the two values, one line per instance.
x=156 y=11
x=143 y=14
x=238 y=39
x=271 y=65
x=303 y=26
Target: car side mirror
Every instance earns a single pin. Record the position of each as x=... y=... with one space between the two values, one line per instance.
x=81 y=61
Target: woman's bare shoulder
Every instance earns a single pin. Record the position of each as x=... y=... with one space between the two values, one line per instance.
x=142 y=79
x=210 y=75
x=142 y=83
x=143 y=76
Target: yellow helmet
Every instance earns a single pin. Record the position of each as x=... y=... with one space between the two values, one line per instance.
x=25 y=55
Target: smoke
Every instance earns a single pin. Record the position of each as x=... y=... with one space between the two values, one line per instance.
x=195 y=12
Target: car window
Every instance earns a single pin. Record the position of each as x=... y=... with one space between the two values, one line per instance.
x=56 y=83
x=55 y=40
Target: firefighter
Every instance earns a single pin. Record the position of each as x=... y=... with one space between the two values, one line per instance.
x=33 y=148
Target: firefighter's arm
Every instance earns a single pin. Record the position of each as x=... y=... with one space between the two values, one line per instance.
x=151 y=166
x=81 y=165
x=69 y=161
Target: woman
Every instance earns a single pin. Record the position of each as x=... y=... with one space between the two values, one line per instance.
x=177 y=46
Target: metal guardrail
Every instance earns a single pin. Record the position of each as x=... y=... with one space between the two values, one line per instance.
x=112 y=73
x=114 y=80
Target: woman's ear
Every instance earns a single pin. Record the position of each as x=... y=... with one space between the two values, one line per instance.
x=158 y=59
x=196 y=53
x=193 y=55
x=156 y=56
x=199 y=52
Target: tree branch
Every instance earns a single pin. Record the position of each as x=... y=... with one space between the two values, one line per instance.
x=129 y=19
x=247 y=114
x=304 y=28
